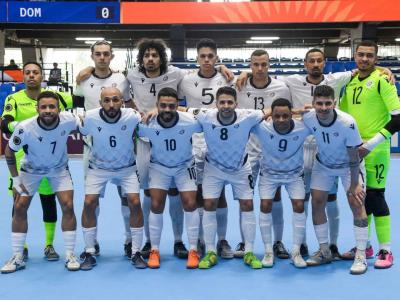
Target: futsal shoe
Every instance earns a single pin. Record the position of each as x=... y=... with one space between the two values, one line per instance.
x=25 y=254
x=201 y=248
x=138 y=261
x=88 y=262
x=384 y=259
x=224 y=250
x=193 y=260
x=268 y=260
x=180 y=250
x=154 y=259
x=319 y=258
x=146 y=250
x=350 y=255
x=209 y=260
x=280 y=251
x=128 y=250
x=14 y=264
x=251 y=260
x=50 y=254
x=304 y=250
x=297 y=260
x=360 y=265
x=239 y=250
x=72 y=263
x=335 y=252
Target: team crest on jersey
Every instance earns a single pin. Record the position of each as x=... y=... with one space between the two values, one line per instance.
x=165 y=78
x=63 y=133
x=16 y=140
x=182 y=131
x=157 y=132
x=8 y=107
x=99 y=129
x=296 y=138
x=21 y=131
x=196 y=84
x=248 y=94
x=304 y=83
x=40 y=138
x=219 y=83
x=369 y=84
x=336 y=134
x=272 y=94
x=236 y=126
x=123 y=127
x=92 y=85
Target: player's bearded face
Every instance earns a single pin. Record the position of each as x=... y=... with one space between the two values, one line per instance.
x=365 y=58
x=226 y=105
x=167 y=107
x=48 y=111
x=151 y=60
x=314 y=64
x=32 y=76
x=111 y=105
x=282 y=117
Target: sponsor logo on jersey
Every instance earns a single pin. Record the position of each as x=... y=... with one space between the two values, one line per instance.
x=99 y=129
x=16 y=140
x=315 y=129
x=196 y=84
x=40 y=138
x=352 y=126
x=271 y=136
x=157 y=132
x=248 y=94
x=92 y=85
x=142 y=79
x=213 y=126
x=304 y=83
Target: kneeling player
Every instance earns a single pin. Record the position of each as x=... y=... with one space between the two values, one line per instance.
x=44 y=140
x=170 y=136
x=337 y=139
x=111 y=159
x=282 y=165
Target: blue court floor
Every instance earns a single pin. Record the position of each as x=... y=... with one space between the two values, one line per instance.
x=115 y=278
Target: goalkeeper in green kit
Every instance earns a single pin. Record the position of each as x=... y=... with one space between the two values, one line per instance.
x=372 y=100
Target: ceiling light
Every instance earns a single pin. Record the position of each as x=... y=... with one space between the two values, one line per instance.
x=89 y=38
x=270 y=38
x=397 y=39
x=258 y=42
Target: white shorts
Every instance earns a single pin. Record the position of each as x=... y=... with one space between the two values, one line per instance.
x=96 y=180
x=215 y=179
x=143 y=162
x=323 y=177
x=161 y=177
x=199 y=153
x=294 y=186
x=59 y=181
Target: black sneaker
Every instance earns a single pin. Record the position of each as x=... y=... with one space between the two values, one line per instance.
x=201 y=248
x=304 y=250
x=128 y=250
x=224 y=250
x=280 y=251
x=88 y=262
x=25 y=254
x=50 y=254
x=138 y=261
x=97 y=249
x=335 y=252
x=239 y=251
x=146 y=250
x=180 y=250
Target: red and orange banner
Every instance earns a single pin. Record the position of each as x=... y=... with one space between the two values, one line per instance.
x=259 y=12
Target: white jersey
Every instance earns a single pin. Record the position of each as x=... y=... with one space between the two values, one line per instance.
x=91 y=88
x=334 y=139
x=226 y=144
x=112 y=143
x=45 y=150
x=171 y=147
x=282 y=153
x=302 y=91
x=251 y=97
x=199 y=91
x=145 y=89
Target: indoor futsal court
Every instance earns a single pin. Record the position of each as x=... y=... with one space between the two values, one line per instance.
x=115 y=278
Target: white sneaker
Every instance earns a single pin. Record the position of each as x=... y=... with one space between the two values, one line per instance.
x=72 y=263
x=268 y=260
x=360 y=265
x=14 y=264
x=298 y=260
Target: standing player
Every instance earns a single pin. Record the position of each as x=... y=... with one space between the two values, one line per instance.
x=369 y=92
x=259 y=93
x=112 y=159
x=170 y=136
x=282 y=165
x=44 y=141
x=226 y=132
x=337 y=139
x=89 y=90
x=199 y=90
x=21 y=106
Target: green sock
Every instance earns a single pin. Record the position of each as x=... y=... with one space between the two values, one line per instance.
x=382 y=227
x=50 y=229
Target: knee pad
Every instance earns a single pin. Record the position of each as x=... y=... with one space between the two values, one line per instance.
x=375 y=203
x=49 y=208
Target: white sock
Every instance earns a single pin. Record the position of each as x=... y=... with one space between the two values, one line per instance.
x=322 y=232
x=155 y=227
x=210 y=229
x=18 y=241
x=299 y=228
x=176 y=213
x=361 y=235
x=126 y=215
x=222 y=223
x=192 y=221
x=332 y=211
x=201 y=232
x=249 y=229
x=137 y=238
x=277 y=220
x=146 y=212
x=266 y=230
x=306 y=213
x=89 y=236
x=69 y=241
